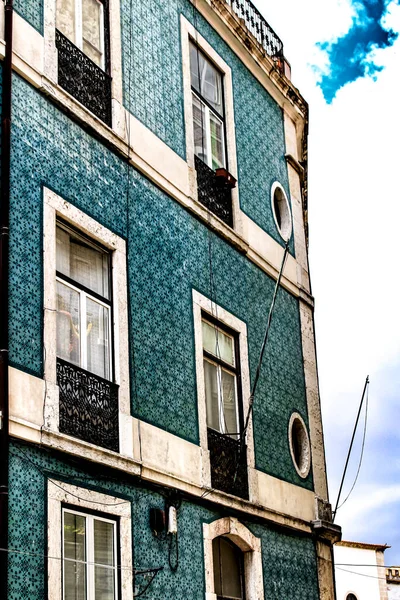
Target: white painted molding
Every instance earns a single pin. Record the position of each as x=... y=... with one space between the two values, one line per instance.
x=189 y=32
x=54 y=206
x=202 y=303
x=248 y=543
x=58 y=493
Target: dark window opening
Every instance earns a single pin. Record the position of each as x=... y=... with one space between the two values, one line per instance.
x=228 y=570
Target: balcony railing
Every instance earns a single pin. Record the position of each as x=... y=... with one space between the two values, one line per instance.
x=258 y=27
x=228 y=464
x=83 y=79
x=88 y=406
x=212 y=193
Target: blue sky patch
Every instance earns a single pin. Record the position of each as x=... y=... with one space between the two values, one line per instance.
x=350 y=55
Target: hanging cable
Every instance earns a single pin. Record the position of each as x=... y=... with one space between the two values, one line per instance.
x=362 y=451
x=258 y=370
x=350 y=448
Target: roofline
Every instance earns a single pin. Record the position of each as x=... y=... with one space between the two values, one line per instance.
x=363 y=545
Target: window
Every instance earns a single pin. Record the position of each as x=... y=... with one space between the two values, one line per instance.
x=232 y=561
x=281 y=211
x=208 y=110
x=83 y=302
x=351 y=597
x=228 y=566
x=222 y=379
x=299 y=445
x=82 y=22
x=89 y=557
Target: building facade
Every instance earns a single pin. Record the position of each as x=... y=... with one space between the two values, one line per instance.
x=360 y=571
x=158 y=170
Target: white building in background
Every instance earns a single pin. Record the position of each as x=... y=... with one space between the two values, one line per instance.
x=360 y=573
x=393 y=583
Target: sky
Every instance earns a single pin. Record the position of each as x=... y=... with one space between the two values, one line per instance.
x=345 y=59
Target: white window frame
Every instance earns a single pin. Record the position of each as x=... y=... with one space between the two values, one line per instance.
x=83 y=296
x=79 y=29
x=203 y=306
x=54 y=207
x=60 y=493
x=207 y=112
x=220 y=368
x=249 y=544
x=188 y=32
x=89 y=551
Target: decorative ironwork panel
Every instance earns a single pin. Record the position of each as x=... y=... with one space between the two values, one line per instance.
x=228 y=464
x=88 y=406
x=83 y=79
x=213 y=194
x=258 y=27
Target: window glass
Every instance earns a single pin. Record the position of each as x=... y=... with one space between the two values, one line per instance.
x=228 y=568
x=211 y=389
x=83 y=263
x=218 y=343
x=92 y=30
x=97 y=333
x=89 y=557
x=229 y=402
x=65 y=20
x=199 y=129
x=206 y=79
x=74 y=557
x=68 y=320
x=217 y=143
x=104 y=556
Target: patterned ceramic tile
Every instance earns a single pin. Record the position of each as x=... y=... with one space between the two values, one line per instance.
x=169 y=254
x=289 y=562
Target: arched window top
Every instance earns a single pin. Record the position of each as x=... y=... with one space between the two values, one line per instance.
x=351 y=596
x=228 y=569
x=281 y=211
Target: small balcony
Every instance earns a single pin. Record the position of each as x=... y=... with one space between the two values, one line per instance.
x=88 y=406
x=228 y=464
x=213 y=192
x=255 y=24
x=83 y=79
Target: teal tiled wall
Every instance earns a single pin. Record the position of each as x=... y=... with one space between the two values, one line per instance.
x=31 y=11
x=153 y=92
x=289 y=562
x=169 y=254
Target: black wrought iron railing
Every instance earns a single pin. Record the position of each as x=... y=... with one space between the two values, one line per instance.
x=228 y=464
x=212 y=193
x=88 y=406
x=83 y=79
x=258 y=27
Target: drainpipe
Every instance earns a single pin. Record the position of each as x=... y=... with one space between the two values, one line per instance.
x=4 y=250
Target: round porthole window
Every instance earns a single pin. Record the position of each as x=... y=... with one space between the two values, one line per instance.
x=281 y=211
x=299 y=445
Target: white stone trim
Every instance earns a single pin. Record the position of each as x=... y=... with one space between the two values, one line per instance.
x=248 y=543
x=202 y=303
x=189 y=32
x=53 y=206
x=313 y=401
x=285 y=230
x=59 y=493
x=302 y=472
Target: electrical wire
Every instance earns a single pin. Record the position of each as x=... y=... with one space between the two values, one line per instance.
x=258 y=370
x=350 y=447
x=363 y=574
x=362 y=451
x=57 y=484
